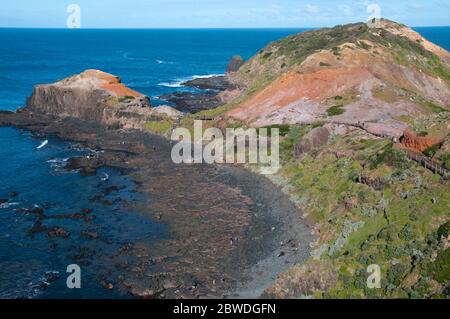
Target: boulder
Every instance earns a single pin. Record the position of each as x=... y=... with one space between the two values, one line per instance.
x=168 y=111
x=235 y=64
x=315 y=138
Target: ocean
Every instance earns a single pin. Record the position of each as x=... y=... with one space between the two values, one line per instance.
x=154 y=62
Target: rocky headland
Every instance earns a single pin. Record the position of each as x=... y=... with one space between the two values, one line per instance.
x=223 y=221
x=364 y=114
x=364 y=118
x=213 y=91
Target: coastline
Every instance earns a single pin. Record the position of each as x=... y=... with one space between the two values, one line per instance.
x=240 y=225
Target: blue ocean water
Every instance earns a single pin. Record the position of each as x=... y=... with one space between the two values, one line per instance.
x=150 y=61
x=153 y=62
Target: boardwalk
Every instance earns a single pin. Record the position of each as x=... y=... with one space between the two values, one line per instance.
x=427 y=163
x=384 y=131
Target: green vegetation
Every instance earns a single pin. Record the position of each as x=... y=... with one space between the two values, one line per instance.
x=281 y=55
x=412 y=53
x=431 y=151
x=400 y=227
x=438 y=68
x=432 y=107
x=364 y=45
x=335 y=110
x=440 y=268
x=113 y=100
x=126 y=98
x=445 y=159
x=388 y=155
x=283 y=129
x=368 y=202
x=162 y=127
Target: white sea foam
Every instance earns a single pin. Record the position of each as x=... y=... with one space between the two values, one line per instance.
x=205 y=76
x=8 y=205
x=179 y=82
x=171 y=84
x=42 y=144
x=163 y=62
x=57 y=163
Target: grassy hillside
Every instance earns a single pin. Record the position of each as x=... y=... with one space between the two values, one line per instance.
x=282 y=55
x=366 y=202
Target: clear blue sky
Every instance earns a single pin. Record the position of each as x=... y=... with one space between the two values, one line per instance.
x=218 y=13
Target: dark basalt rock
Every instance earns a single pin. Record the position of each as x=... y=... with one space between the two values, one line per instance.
x=193 y=102
x=58 y=232
x=235 y=64
x=36 y=228
x=87 y=165
x=218 y=83
x=2 y=201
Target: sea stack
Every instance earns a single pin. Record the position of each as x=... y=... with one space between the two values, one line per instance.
x=87 y=96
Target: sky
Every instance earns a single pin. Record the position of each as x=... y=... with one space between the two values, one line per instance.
x=219 y=13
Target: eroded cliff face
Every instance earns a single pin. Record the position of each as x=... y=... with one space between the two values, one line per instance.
x=372 y=74
x=92 y=95
x=411 y=141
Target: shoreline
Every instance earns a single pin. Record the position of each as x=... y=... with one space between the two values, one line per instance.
x=257 y=234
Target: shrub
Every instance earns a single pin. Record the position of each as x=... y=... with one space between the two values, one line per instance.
x=389 y=156
x=423 y=133
x=440 y=268
x=444 y=230
x=431 y=151
x=445 y=159
x=335 y=110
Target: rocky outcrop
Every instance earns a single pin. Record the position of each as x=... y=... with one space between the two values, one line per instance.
x=86 y=96
x=193 y=102
x=315 y=138
x=167 y=111
x=217 y=83
x=215 y=90
x=345 y=73
x=235 y=64
x=94 y=95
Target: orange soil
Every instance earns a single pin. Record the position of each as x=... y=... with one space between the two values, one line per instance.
x=112 y=83
x=293 y=87
x=120 y=89
x=411 y=141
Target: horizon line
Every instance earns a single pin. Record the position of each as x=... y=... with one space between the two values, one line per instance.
x=198 y=28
